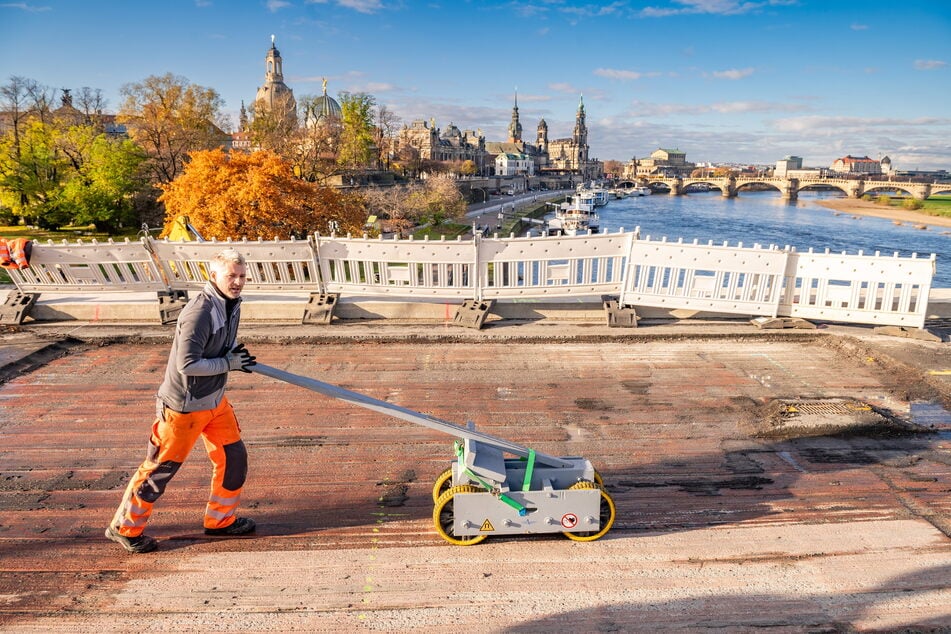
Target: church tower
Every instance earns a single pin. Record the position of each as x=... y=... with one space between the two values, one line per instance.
x=274 y=96
x=580 y=134
x=515 y=128
x=541 y=138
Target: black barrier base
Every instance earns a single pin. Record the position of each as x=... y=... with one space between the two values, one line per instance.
x=472 y=313
x=171 y=304
x=618 y=316
x=320 y=308
x=17 y=307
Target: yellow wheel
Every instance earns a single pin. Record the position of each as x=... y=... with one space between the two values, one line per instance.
x=607 y=514
x=598 y=480
x=443 y=483
x=443 y=516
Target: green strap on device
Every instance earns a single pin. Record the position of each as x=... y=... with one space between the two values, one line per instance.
x=522 y=511
x=529 y=469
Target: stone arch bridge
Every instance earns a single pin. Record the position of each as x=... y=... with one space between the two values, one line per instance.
x=790 y=187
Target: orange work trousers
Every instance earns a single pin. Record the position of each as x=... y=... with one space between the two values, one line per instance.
x=174 y=434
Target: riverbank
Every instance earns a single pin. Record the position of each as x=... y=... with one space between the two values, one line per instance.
x=895 y=214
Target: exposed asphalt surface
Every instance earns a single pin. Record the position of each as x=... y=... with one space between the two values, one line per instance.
x=786 y=480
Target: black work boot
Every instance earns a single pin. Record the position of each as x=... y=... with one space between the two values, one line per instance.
x=241 y=526
x=140 y=544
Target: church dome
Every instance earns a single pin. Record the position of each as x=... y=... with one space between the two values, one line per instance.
x=324 y=107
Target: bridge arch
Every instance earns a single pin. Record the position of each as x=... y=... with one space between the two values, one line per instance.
x=823 y=187
x=871 y=188
x=660 y=184
x=691 y=184
x=748 y=185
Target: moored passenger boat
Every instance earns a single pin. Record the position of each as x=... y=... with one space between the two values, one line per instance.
x=575 y=216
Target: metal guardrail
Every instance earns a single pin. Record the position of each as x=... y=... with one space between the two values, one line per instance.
x=762 y=281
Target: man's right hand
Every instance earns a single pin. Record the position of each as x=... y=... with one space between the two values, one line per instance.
x=240 y=359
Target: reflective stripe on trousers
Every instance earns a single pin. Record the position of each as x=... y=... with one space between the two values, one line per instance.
x=173 y=436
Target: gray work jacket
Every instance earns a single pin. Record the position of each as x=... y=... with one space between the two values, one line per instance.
x=198 y=368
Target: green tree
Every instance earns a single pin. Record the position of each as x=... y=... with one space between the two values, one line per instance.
x=102 y=190
x=32 y=168
x=168 y=117
x=357 y=136
x=23 y=102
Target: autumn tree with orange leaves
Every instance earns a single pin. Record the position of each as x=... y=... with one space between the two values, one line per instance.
x=256 y=195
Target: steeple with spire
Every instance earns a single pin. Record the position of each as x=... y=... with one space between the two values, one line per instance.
x=515 y=128
x=580 y=134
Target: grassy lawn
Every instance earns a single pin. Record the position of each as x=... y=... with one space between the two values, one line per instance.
x=934 y=206
x=66 y=233
x=87 y=234
x=937 y=206
x=450 y=230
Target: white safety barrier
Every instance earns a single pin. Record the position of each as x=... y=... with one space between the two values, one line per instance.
x=858 y=288
x=89 y=267
x=397 y=268
x=759 y=281
x=552 y=266
x=278 y=265
x=735 y=280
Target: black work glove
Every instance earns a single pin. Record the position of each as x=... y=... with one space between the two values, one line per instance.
x=240 y=359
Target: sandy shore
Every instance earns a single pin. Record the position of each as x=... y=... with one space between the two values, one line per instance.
x=903 y=216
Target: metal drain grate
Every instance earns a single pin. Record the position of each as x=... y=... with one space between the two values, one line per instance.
x=794 y=418
x=824 y=408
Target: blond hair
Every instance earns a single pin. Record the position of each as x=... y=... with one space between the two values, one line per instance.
x=226 y=256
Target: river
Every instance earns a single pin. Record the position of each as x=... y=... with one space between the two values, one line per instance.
x=764 y=218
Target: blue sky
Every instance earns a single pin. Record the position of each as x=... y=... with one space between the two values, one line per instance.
x=745 y=81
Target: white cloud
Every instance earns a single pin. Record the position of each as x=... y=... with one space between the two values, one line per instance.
x=24 y=7
x=733 y=107
x=714 y=7
x=594 y=10
x=929 y=64
x=377 y=86
x=276 y=5
x=361 y=6
x=524 y=97
x=564 y=87
x=859 y=27
x=612 y=73
x=642 y=109
x=733 y=73
x=615 y=73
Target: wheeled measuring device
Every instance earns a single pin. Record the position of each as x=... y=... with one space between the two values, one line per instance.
x=483 y=493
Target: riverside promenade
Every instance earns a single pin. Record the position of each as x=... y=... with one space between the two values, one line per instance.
x=796 y=480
